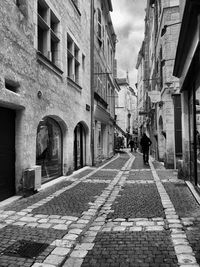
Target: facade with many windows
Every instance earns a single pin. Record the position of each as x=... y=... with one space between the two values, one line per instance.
x=126 y=109
x=104 y=83
x=162 y=103
x=187 y=69
x=45 y=90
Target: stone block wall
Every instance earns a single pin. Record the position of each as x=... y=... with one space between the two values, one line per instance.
x=59 y=98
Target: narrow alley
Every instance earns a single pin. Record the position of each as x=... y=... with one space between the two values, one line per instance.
x=122 y=213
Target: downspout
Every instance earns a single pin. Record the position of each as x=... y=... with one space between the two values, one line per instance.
x=92 y=80
x=194 y=134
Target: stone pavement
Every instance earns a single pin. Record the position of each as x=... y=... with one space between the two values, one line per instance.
x=122 y=213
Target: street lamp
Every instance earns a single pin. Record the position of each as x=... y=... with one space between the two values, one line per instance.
x=164 y=29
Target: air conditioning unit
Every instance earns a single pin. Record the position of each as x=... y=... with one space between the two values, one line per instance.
x=32 y=178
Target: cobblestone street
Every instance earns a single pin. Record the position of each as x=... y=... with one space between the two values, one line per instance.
x=122 y=213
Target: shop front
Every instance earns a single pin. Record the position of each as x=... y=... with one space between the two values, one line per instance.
x=79 y=147
x=187 y=69
x=49 y=149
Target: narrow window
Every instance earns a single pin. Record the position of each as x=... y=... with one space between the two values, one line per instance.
x=99 y=29
x=83 y=62
x=48 y=40
x=73 y=64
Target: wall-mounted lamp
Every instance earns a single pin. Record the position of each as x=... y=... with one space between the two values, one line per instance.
x=168 y=84
x=164 y=29
x=39 y=94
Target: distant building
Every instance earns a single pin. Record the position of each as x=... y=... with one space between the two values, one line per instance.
x=104 y=83
x=141 y=92
x=126 y=108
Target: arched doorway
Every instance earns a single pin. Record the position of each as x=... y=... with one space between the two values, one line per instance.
x=79 y=147
x=49 y=149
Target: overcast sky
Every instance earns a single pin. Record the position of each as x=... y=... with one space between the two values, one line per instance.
x=128 y=20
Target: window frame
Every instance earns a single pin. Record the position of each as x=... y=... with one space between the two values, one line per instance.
x=73 y=66
x=48 y=40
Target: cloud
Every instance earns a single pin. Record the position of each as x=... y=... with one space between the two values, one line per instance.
x=128 y=20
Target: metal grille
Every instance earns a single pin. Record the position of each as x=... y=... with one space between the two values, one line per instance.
x=25 y=249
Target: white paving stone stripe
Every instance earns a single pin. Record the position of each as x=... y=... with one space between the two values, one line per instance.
x=110 y=194
x=183 y=250
x=26 y=218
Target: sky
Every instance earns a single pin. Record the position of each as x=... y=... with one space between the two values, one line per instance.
x=128 y=21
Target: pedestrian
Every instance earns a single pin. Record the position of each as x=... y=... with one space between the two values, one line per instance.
x=145 y=143
x=131 y=144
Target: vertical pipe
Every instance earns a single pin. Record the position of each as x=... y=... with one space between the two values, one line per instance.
x=92 y=79
x=194 y=134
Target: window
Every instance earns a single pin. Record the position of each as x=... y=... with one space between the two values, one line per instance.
x=161 y=68
x=83 y=62
x=99 y=28
x=73 y=64
x=48 y=40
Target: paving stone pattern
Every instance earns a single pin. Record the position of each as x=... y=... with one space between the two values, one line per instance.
x=23 y=203
x=140 y=175
x=137 y=249
x=138 y=163
x=193 y=235
x=168 y=175
x=137 y=201
x=122 y=213
x=82 y=174
x=104 y=175
x=179 y=192
x=72 y=202
x=10 y=234
x=117 y=164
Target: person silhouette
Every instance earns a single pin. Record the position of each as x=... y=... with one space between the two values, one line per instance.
x=145 y=143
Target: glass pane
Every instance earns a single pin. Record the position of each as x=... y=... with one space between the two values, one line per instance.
x=49 y=149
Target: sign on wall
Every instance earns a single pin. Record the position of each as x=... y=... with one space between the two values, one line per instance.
x=155 y=96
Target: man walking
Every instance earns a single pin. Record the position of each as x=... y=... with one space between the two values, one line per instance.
x=145 y=143
x=131 y=143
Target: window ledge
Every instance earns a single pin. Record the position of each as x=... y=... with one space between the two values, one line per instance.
x=74 y=84
x=44 y=60
x=77 y=9
x=100 y=100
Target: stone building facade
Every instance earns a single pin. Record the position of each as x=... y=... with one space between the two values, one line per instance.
x=104 y=82
x=187 y=69
x=141 y=91
x=45 y=89
x=126 y=108
x=163 y=119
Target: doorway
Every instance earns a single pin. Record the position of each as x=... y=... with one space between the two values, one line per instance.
x=7 y=153
x=79 y=147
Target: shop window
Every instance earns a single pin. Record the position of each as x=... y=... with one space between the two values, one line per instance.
x=48 y=40
x=73 y=64
x=49 y=149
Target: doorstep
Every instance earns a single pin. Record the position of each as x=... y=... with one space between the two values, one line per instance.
x=60 y=179
x=9 y=201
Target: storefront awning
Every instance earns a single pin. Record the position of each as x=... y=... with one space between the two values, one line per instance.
x=101 y=115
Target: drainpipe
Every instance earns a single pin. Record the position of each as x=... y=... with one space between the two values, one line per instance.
x=92 y=79
x=194 y=134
